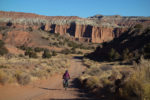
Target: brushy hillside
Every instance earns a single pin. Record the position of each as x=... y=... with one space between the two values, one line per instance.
x=112 y=81
x=129 y=46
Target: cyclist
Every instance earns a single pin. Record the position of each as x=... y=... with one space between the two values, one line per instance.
x=66 y=77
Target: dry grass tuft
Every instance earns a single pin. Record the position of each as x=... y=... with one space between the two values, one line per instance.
x=3 y=77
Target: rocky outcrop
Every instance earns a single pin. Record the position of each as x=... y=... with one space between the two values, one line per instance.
x=95 y=29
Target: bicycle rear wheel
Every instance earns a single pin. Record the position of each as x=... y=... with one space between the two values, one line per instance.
x=65 y=84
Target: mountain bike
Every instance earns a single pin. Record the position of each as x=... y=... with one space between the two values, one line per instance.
x=65 y=84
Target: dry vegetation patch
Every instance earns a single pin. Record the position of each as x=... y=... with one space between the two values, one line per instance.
x=112 y=81
x=99 y=77
x=23 y=70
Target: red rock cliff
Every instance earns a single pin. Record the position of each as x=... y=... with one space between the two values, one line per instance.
x=95 y=29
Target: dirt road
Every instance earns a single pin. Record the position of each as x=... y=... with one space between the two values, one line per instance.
x=50 y=89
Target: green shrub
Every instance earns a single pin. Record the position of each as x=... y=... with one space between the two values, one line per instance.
x=73 y=50
x=113 y=55
x=79 y=52
x=72 y=44
x=32 y=55
x=21 y=55
x=54 y=53
x=3 y=51
x=1 y=43
x=22 y=47
x=61 y=43
x=37 y=49
x=29 y=52
x=125 y=54
x=30 y=29
x=46 y=54
x=139 y=26
x=3 y=28
x=66 y=51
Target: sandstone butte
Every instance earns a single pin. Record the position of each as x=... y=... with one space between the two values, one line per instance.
x=96 y=29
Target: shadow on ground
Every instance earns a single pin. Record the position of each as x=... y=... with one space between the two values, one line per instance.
x=83 y=94
x=48 y=88
x=73 y=99
x=78 y=57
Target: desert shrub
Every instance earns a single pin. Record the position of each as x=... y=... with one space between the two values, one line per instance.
x=1 y=43
x=92 y=82
x=72 y=44
x=3 y=50
x=66 y=51
x=3 y=77
x=3 y=66
x=125 y=54
x=147 y=51
x=55 y=44
x=37 y=49
x=113 y=55
x=30 y=29
x=138 y=84
x=29 y=52
x=22 y=47
x=79 y=52
x=73 y=50
x=106 y=82
x=46 y=54
x=54 y=53
x=3 y=28
x=61 y=43
x=94 y=71
x=32 y=55
x=131 y=89
x=22 y=78
x=45 y=38
x=139 y=26
x=56 y=34
x=21 y=55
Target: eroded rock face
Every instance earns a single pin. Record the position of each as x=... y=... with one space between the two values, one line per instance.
x=17 y=37
x=95 y=29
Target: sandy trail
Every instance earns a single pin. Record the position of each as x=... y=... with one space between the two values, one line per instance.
x=50 y=89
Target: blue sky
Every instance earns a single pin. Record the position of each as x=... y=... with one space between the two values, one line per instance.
x=81 y=8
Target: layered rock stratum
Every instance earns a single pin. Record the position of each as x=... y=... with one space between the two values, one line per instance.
x=96 y=29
